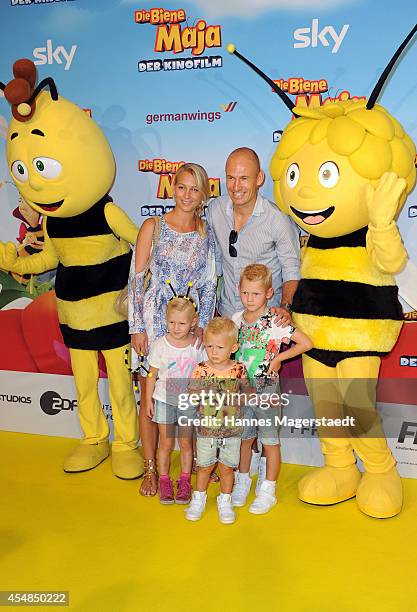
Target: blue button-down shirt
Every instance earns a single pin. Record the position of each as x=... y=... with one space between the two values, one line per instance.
x=269 y=237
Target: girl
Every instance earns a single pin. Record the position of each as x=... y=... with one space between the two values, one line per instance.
x=172 y=360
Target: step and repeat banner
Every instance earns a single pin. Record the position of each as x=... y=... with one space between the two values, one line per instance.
x=158 y=80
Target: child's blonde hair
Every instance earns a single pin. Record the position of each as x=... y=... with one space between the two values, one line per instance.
x=182 y=304
x=221 y=325
x=257 y=272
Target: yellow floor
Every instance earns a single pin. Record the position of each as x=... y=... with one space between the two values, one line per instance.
x=93 y=535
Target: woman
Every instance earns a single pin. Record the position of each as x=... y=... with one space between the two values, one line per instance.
x=184 y=253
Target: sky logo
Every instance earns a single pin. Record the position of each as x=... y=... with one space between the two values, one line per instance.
x=310 y=37
x=47 y=55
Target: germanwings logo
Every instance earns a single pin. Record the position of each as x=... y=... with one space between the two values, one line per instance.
x=195 y=116
x=228 y=108
x=172 y=117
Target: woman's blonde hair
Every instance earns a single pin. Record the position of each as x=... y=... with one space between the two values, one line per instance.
x=201 y=178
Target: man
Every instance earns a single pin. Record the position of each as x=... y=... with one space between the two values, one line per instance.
x=250 y=229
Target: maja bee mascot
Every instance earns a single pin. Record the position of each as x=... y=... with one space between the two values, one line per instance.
x=63 y=167
x=342 y=172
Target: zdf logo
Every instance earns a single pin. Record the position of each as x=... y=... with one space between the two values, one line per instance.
x=47 y=55
x=52 y=403
x=305 y=40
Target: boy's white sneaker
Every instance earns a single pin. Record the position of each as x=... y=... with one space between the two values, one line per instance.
x=265 y=499
x=241 y=490
x=254 y=463
x=261 y=474
x=196 y=508
x=224 y=506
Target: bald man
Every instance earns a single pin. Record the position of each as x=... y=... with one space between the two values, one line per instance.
x=250 y=229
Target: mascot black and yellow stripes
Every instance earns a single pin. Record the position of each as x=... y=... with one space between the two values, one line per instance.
x=342 y=171
x=64 y=168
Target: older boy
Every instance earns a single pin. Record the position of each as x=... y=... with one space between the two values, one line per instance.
x=260 y=341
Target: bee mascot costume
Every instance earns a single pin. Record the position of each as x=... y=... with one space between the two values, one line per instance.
x=342 y=172
x=63 y=167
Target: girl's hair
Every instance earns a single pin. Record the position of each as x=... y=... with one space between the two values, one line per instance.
x=257 y=272
x=221 y=325
x=373 y=140
x=182 y=304
x=201 y=178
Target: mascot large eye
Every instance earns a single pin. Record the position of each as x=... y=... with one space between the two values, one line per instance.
x=328 y=174
x=47 y=167
x=19 y=171
x=293 y=174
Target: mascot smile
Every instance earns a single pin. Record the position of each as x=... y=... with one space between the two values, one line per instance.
x=342 y=172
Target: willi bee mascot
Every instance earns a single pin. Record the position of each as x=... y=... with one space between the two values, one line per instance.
x=342 y=172
x=63 y=167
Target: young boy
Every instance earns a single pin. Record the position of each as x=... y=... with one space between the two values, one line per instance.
x=259 y=345
x=218 y=437
x=172 y=359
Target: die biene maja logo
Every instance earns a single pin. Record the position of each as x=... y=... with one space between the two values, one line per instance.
x=172 y=35
x=166 y=170
x=309 y=93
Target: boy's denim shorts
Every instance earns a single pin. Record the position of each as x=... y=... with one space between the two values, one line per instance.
x=268 y=434
x=268 y=431
x=167 y=414
x=212 y=450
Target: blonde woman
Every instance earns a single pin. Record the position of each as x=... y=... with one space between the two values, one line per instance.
x=184 y=253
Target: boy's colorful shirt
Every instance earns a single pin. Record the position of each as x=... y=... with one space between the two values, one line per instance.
x=220 y=410
x=260 y=343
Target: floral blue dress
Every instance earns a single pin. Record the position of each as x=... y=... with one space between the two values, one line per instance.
x=181 y=258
